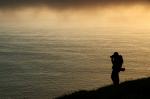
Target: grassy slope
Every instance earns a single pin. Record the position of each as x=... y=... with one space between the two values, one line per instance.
x=136 y=89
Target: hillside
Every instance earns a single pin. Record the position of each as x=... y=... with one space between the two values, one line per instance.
x=136 y=89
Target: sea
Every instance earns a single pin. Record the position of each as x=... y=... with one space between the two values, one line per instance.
x=45 y=63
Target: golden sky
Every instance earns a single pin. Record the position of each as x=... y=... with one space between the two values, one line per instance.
x=77 y=13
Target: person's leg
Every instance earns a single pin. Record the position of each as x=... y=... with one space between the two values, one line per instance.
x=112 y=78
x=115 y=77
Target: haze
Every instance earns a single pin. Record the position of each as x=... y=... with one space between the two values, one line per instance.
x=105 y=14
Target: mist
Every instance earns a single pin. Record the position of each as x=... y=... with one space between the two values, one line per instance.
x=117 y=14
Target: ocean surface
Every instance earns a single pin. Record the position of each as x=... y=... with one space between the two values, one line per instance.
x=43 y=63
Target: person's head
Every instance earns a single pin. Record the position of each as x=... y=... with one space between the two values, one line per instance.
x=116 y=54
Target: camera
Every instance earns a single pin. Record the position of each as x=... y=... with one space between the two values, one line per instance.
x=111 y=56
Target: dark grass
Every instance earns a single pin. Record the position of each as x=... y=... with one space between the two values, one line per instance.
x=135 y=89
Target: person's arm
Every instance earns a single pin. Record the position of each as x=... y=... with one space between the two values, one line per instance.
x=112 y=59
x=121 y=59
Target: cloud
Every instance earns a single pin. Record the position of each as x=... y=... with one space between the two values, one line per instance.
x=64 y=4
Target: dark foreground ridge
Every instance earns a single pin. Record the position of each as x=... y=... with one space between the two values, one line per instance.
x=136 y=89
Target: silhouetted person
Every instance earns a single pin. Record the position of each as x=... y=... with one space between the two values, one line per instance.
x=117 y=62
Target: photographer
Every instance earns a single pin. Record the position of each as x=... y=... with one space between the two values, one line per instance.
x=117 y=62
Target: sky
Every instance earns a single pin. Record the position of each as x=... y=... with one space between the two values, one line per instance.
x=76 y=13
x=65 y=4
